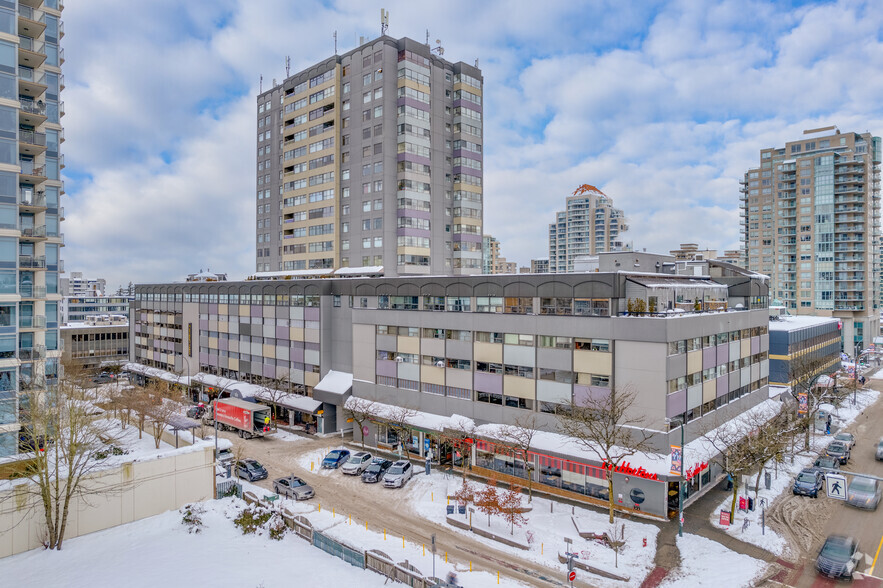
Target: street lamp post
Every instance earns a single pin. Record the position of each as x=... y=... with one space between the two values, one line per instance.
x=681 y=488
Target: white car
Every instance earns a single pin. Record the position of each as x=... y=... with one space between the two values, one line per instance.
x=357 y=464
x=399 y=473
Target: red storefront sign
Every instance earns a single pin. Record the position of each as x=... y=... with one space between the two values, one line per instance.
x=725 y=518
x=626 y=468
x=696 y=469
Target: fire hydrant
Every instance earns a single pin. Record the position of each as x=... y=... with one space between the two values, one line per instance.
x=645 y=542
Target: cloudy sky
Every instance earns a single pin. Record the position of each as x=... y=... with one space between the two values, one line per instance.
x=662 y=105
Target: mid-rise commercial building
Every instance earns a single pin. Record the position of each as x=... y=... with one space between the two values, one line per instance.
x=810 y=216
x=488 y=348
x=30 y=203
x=78 y=286
x=691 y=252
x=372 y=159
x=589 y=225
x=100 y=341
x=78 y=309
x=539 y=266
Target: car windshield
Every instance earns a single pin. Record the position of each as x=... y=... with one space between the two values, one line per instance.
x=838 y=550
x=825 y=461
x=396 y=470
x=333 y=455
x=863 y=485
x=842 y=436
x=295 y=482
x=356 y=459
x=373 y=468
x=254 y=465
x=839 y=447
x=806 y=478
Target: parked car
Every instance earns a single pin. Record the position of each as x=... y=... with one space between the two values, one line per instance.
x=293 y=487
x=196 y=411
x=825 y=463
x=358 y=463
x=847 y=438
x=863 y=493
x=808 y=482
x=399 y=473
x=879 y=454
x=838 y=450
x=225 y=457
x=376 y=470
x=251 y=470
x=103 y=378
x=838 y=557
x=335 y=458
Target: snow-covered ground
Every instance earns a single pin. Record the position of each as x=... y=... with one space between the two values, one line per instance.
x=755 y=532
x=548 y=524
x=708 y=563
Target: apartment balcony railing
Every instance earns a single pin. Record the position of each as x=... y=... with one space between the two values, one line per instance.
x=32 y=261
x=34 y=107
x=26 y=74
x=32 y=353
x=32 y=322
x=38 y=232
x=30 y=44
x=32 y=138
x=32 y=199
x=29 y=169
x=28 y=291
x=31 y=14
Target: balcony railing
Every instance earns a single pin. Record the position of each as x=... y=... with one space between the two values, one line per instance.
x=31 y=14
x=29 y=169
x=29 y=75
x=28 y=291
x=37 y=200
x=32 y=322
x=32 y=261
x=38 y=231
x=32 y=138
x=31 y=353
x=33 y=107
x=30 y=44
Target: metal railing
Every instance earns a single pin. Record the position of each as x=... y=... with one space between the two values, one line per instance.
x=29 y=353
x=31 y=14
x=37 y=199
x=29 y=169
x=32 y=107
x=28 y=291
x=32 y=261
x=31 y=44
x=27 y=74
x=39 y=231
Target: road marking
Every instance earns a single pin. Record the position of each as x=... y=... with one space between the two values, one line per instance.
x=874 y=563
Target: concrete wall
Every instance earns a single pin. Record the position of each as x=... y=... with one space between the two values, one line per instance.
x=140 y=489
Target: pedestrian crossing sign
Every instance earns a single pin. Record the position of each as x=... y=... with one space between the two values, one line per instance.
x=835 y=484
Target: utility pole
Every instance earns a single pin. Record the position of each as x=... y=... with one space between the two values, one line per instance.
x=681 y=488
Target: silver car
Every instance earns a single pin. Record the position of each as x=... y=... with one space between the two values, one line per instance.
x=293 y=487
x=399 y=473
x=863 y=493
x=357 y=463
x=879 y=454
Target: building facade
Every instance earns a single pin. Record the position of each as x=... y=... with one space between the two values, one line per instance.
x=589 y=225
x=492 y=262
x=79 y=309
x=96 y=343
x=539 y=266
x=691 y=252
x=78 y=286
x=802 y=339
x=30 y=203
x=489 y=348
x=372 y=158
x=810 y=216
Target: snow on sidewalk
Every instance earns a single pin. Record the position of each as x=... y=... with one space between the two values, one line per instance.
x=708 y=563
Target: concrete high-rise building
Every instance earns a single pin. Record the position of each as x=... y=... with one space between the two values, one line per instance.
x=372 y=159
x=30 y=194
x=691 y=252
x=492 y=262
x=539 y=266
x=588 y=226
x=78 y=286
x=810 y=217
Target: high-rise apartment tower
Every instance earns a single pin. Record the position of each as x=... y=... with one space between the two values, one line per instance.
x=810 y=216
x=588 y=226
x=372 y=158
x=30 y=211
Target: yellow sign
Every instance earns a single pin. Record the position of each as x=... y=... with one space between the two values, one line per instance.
x=320 y=412
x=349 y=420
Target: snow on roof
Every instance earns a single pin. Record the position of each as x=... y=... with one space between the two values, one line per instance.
x=368 y=269
x=153 y=372
x=789 y=322
x=335 y=383
x=776 y=391
x=657 y=281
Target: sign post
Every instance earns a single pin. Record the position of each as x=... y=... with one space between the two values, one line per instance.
x=571 y=575
x=432 y=538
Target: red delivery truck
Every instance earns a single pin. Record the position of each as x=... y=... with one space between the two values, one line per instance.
x=233 y=414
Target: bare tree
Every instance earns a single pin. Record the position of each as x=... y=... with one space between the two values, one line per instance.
x=804 y=373
x=461 y=438
x=161 y=414
x=511 y=507
x=272 y=391
x=68 y=442
x=397 y=418
x=487 y=499
x=361 y=410
x=519 y=437
x=609 y=427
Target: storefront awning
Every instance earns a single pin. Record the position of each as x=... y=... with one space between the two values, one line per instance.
x=334 y=387
x=293 y=402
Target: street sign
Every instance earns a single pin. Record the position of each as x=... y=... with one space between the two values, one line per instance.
x=365 y=430
x=835 y=484
x=572 y=575
x=725 y=518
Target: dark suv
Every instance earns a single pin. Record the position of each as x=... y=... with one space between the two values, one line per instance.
x=808 y=482
x=251 y=470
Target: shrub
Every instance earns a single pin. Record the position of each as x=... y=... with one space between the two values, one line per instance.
x=192 y=518
x=276 y=527
x=251 y=518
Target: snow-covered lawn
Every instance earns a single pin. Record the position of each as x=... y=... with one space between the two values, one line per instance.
x=158 y=551
x=548 y=524
x=708 y=563
x=755 y=533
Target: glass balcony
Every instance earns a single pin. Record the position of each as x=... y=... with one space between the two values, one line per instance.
x=31 y=173
x=32 y=353
x=32 y=261
x=34 y=233
x=29 y=291
x=31 y=143
x=31 y=199
x=32 y=322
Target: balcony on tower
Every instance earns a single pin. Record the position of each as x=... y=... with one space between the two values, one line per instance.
x=31 y=142
x=31 y=83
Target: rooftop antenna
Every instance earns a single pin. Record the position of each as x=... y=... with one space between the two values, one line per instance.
x=335 y=42
x=384 y=21
x=288 y=66
x=427 y=37
x=261 y=91
x=438 y=48
x=476 y=63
